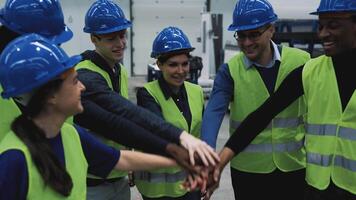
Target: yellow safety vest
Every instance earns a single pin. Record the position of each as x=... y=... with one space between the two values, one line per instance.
x=89 y=65
x=330 y=132
x=75 y=164
x=8 y=111
x=167 y=181
x=281 y=144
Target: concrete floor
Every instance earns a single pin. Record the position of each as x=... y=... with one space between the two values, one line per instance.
x=225 y=191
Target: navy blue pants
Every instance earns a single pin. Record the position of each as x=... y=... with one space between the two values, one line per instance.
x=276 y=185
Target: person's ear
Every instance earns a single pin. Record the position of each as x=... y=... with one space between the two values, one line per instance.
x=94 y=39
x=159 y=64
x=271 y=30
x=52 y=99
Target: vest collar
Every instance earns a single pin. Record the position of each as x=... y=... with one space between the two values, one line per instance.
x=167 y=92
x=99 y=61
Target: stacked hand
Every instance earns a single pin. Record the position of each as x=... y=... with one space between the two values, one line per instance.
x=213 y=181
x=200 y=161
x=200 y=176
x=207 y=180
x=181 y=156
x=195 y=146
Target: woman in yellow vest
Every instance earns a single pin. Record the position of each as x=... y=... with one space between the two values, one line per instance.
x=43 y=157
x=177 y=101
x=42 y=17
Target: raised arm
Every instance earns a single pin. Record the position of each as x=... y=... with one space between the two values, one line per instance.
x=134 y=160
x=290 y=90
x=217 y=106
x=109 y=101
x=99 y=92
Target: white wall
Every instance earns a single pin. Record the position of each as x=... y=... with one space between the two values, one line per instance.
x=74 y=14
x=285 y=9
x=150 y=16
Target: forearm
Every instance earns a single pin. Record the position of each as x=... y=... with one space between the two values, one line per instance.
x=135 y=161
x=140 y=116
x=211 y=123
x=119 y=129
x=226 y=154
x=217 y=106
x=98 y=92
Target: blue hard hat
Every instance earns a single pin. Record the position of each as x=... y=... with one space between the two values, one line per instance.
x=29 y=62
x=327 y=6
x=105 y=16
x=252 y=14
x=168 y=40
x=36 y=16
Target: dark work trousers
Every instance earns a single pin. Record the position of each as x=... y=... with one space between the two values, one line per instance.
x=332 y=192
x=277 y=185
x=189 y=196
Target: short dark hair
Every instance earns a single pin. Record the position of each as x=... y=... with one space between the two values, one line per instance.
x=95 y=35
x=353 y=17
x=164 y=57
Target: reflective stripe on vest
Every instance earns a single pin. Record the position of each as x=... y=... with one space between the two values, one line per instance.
x=277 y=123
x=75 y=164
x=269 y=148
x=326 y=160
x=87 y=64
x=330 y=130
x=317 y=159
x=167 y=181
x=322 y=130
x=286 y=128
x=287 y=122
x=160 y=177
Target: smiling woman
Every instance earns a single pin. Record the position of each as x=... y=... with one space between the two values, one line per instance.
x=44 y=157
x=174 y=70
x=176 y=101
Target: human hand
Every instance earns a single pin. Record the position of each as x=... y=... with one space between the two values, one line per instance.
x=207 y=180
x=213 y=182
x=181 y=156
x=196 y=181
x=204 y=151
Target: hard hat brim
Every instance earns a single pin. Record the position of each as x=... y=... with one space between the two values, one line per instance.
x=67 y=64
x=331 y=11
x=63 y=37
x=233 y=27
x=112 y=30
x=177 y=51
